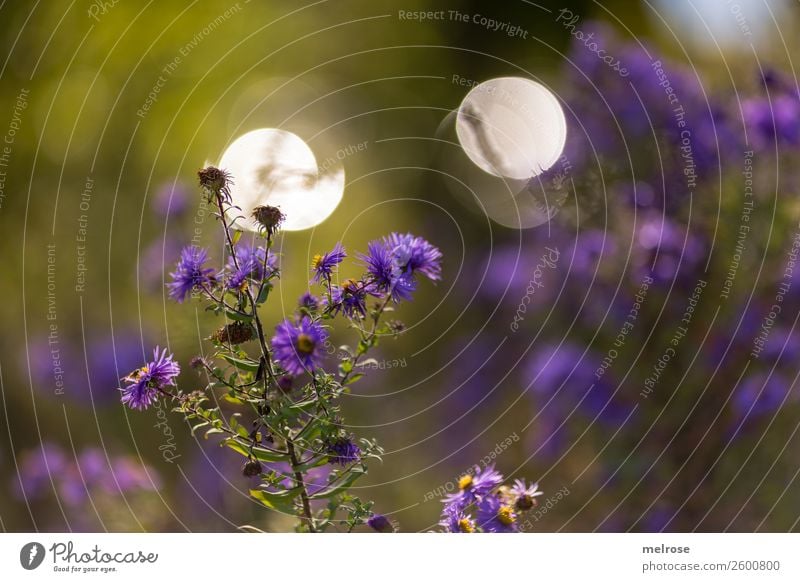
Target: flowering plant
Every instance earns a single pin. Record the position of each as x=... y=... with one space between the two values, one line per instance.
x=483 y=504
x=294 y=426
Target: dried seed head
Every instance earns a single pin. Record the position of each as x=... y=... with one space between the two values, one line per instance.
x=216 y=182
x=251 y=468
x=234 y=333
x=269 y=218
x=396 y=326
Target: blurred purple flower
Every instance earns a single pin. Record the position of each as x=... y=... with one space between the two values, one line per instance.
x=171 y=199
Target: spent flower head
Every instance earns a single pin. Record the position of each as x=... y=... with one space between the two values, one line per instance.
x=269 y=219
x=215 y=182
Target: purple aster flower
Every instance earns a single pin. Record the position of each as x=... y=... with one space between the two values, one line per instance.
x=190 y=273
x=343 y=451
x=385 y=272
x=322 y=265
x=524 y=496
x=474 y=486
x=381 y=523
x=299 y=347
x=308 y=301
x=144 y=383
x=37 y=467
x=414 y=254
x=456 y=520
x=251 y=265
x=495 y=516
x=156 y=259
x=564 y=376
x=349 y=298
x=759 y=395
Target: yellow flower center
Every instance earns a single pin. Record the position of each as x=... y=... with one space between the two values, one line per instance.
x=305 y=343
x=465 y=482
x=465 y=525
x=505 y=515
x=349 y=285
x=316 y=261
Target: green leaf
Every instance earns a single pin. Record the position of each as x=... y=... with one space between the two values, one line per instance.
x=246 y=365
x=281 y=501
x=257 y=452
x=343 y=484
x=198 y=426
x=306 y=466
x=354 y=378
x=264 y=293
x=235 y=315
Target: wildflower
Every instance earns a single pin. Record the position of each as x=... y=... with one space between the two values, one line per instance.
x=251 y=261
x=415 y=255
x=269 y=218
x=474 y=486
x=322 y=265
x=190 y=273
x=197 y=363
x=524 y=496
x=145 y=383
x=349 y=298
x=299 y=347
x=456 y=520
x=495 y=516
x=381 y=523
x=308 y=301
x=385 y=273
x=343 y=451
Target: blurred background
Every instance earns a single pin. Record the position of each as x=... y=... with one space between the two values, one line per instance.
x=633 y=347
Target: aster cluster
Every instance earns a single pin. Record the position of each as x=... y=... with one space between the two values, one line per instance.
x=483 y=504
x=288 y=425
x=85 y=482
x=669 y=316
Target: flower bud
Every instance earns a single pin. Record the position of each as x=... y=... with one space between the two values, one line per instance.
x=381 y=523
x=285 y=383
x=251 y=468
